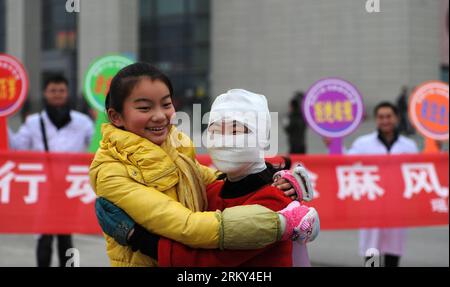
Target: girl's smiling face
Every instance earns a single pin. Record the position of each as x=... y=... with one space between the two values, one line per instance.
x=147 y=111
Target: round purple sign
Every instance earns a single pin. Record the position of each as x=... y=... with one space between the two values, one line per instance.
x=333 y=108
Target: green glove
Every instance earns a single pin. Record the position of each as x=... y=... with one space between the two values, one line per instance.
x=113 y=220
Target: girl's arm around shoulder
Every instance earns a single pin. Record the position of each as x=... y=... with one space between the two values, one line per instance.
x=155 y=211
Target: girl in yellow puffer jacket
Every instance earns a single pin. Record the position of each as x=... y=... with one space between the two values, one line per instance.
x=148 y=168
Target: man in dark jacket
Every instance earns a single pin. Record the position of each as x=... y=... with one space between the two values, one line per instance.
x=296 y=125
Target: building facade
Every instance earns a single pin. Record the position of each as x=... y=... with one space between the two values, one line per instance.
x=271 y=47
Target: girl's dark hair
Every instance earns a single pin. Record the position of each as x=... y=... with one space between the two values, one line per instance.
x=286 y=164
x=125 y=80
x=274 y=168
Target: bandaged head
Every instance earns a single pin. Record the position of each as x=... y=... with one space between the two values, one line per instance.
x=238 y=133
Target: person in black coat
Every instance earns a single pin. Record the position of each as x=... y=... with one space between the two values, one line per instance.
x=295 y=126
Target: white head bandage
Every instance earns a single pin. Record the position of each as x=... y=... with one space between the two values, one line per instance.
x=241 y=154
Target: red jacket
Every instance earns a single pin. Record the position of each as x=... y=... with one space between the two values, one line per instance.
x=174 y=254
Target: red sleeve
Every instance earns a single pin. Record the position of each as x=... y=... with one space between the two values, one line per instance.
x=270 y=197
x=213 y=195
x=174 y=254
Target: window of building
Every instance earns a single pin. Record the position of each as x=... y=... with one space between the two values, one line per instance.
x=175 y=37
x=58 y=26
x=2 y=26
x=59 y=44
x=444 y=73
x=169 y=7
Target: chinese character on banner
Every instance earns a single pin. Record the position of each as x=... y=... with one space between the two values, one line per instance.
x=80 y=185
x=7 y=175
x=439 y=205
x=422 y=177
x=357 y=181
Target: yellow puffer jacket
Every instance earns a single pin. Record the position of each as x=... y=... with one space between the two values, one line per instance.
x=140 y=178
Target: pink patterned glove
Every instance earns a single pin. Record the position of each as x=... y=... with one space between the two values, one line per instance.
x=302 y=222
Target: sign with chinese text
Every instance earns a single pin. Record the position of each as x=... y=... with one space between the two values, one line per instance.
x=334 y=109
x=96 y=85
x=428 y=111
x=13 y=92
x=99 y=76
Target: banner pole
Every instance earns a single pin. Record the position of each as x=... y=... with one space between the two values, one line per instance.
x=3 y=133
x=431 y=146
x=336 y=146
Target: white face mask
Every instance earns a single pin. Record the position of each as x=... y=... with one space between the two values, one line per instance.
x=233 y=155
x=233 y=169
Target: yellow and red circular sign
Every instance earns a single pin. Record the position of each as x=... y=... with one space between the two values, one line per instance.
x=13 y=85
x=428 y=110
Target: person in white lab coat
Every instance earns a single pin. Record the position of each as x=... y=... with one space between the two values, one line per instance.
x=390 y=242
x=57 y=129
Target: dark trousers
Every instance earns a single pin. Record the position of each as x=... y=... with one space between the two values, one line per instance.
x=44 y=249
x=389 y=260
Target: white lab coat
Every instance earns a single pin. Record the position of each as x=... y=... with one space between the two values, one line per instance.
x=386 y=240
x=73 y=137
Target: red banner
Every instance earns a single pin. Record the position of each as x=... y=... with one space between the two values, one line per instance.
x=50 y=193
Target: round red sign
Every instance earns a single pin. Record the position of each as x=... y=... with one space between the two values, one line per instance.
x=13 y=85
x=428 y=110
